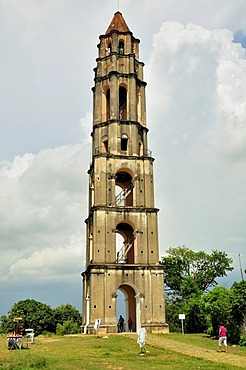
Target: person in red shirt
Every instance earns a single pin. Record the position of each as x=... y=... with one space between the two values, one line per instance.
x=130 y=323
x=222 y=338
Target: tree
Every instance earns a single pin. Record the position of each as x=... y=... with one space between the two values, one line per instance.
x=195 y=315
x=218 y=305
x=173 y=309
x=67 y=312
x=187 y=272
x=6 y=324
x=238 y=298
x=69 y=327
x=34 y=314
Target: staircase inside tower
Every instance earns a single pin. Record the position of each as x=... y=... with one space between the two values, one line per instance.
x=125 y=196
x=125 y=253
x=122 y=254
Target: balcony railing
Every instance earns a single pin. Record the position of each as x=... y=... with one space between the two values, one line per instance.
x=146 y=153
x=103 y=150
x=123 y=116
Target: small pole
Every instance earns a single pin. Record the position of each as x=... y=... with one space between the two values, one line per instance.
x=240 y=266
x=182 y=318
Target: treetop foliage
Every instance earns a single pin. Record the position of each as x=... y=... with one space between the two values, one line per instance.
x=188 y=272
x=39 y=316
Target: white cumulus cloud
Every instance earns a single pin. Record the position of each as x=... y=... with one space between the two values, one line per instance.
x=43 y=207
x=196 y=98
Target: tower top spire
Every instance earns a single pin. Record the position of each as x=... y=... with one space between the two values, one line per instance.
x=118 y=23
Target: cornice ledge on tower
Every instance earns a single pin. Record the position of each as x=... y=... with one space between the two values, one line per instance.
x=114 y=120
x=124 y=209
x=128 y=157
x=100 y=268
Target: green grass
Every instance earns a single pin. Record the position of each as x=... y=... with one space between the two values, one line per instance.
x=205 y=341
x=119 y=352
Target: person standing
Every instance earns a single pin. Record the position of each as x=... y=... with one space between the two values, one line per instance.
x=222 y=338
x=130 y=323
x=121 y=323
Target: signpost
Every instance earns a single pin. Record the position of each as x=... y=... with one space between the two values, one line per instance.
x=182 y=318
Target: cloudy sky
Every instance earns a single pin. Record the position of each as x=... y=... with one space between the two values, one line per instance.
x=195 y=68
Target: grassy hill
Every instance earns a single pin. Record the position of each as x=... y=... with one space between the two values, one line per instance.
x=121 y=352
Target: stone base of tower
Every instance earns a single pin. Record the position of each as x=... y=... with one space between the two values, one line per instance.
x=156 y=328
x=113 y=329
x=103 y=330
x=143 y=290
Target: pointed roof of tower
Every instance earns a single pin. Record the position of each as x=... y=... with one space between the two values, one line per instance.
x=118 y=23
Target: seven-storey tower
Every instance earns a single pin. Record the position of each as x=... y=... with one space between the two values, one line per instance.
x=122 y=233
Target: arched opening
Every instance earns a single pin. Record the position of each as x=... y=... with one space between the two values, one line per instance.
x=127 y=306
x=124 y=142
x=109 y=48
x=119 y=243
x=125 y=253
x=125 y=181
x=121 y=307
x=105 y=144
x=121 y=47
x=108 y=104
x=122 y=103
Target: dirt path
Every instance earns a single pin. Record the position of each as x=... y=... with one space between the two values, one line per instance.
x=197 y=351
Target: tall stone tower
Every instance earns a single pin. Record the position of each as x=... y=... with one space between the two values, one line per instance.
x=122 y=232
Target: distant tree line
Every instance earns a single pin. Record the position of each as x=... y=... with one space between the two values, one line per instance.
x=191 y=289
x=64 y=319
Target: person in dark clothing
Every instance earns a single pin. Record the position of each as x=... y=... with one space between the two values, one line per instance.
x=121 y=323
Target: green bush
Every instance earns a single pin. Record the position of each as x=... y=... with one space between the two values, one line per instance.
x=210 y=331
x=47 y=333
x=242 y=341
x=68 y=327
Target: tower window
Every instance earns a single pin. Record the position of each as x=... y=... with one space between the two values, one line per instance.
x=122 y=103
x=121 y=47
x=105 y=144
x=124 y=140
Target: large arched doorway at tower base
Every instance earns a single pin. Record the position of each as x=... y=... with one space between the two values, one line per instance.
x=132 y=308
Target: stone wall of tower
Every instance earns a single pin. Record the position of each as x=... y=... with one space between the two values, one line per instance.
x=104 y=180
x=121 y=193
x=152 y=306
